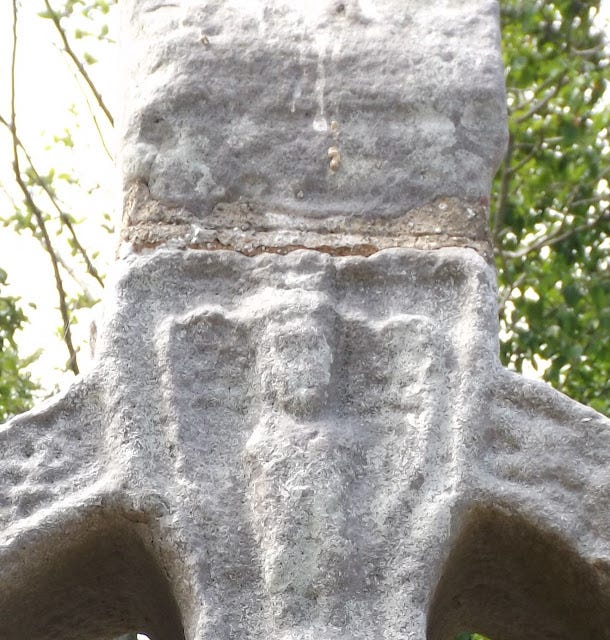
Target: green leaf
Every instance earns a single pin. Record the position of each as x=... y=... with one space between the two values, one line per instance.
x=572 y=294
x=16 y=387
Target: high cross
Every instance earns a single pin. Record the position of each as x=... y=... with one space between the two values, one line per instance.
x=297 y=426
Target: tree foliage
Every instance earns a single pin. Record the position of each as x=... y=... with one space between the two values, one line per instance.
x=15 y=386
x=551 y=216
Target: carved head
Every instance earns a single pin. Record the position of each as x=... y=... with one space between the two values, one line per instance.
x=294 y=361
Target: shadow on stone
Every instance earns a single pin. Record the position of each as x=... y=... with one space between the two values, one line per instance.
x=508 y=580
x=97 y=583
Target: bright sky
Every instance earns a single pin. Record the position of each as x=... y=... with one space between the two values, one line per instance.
x=46 y=91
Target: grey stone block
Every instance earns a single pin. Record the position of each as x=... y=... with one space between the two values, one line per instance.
x=308 y=122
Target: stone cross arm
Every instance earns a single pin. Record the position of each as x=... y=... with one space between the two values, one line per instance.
x=296 y=426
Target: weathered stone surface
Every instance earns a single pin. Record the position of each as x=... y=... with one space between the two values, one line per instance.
x=305 y=446
x=316 y=119
x=280 y=443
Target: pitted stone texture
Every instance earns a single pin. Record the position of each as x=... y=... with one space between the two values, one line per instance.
x=305 y=446
x=309 y=117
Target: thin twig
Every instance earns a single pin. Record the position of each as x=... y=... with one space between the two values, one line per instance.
x=64 y=217
x=558 y=236
x=504 y=189
x=509 y=292
x=81 y=69
x=587 y=53
x=532 y=154
x=550 y=81
x=91 y=111
x=535 y=108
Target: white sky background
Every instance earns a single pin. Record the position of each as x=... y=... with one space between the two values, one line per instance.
x=46 y=90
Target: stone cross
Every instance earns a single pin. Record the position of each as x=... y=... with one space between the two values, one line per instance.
x=297 y=426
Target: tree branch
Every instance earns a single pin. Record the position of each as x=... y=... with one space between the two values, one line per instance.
x=536 y=106
x=532 y=154
x=36 y=212
x=508 y=292
x=81 y=69
x=558 y=236
x=63 y=216
x=550 y=81
x=504 y=189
